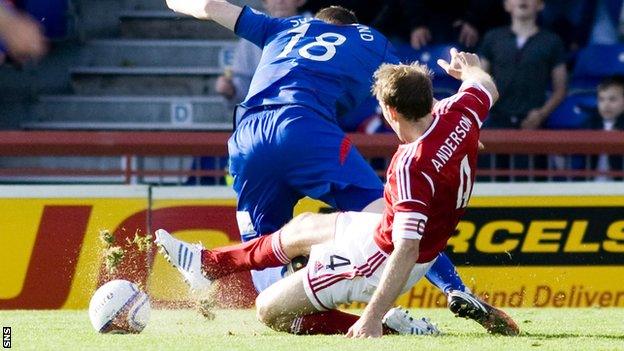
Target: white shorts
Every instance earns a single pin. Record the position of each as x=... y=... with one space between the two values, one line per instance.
x=349 y=268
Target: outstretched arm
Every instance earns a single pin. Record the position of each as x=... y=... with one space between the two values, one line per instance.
x=395 y=275
x=220 y=11
x=467 y=67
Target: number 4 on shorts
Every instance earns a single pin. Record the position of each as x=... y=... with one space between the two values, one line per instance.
x=336 y=261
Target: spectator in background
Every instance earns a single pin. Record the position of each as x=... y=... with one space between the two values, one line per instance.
x=424 y=22
x=234 y=83
x=21 y=36
x=524 y=60
x=608 y=117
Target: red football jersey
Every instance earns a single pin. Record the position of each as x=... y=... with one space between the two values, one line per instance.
x=429 y=181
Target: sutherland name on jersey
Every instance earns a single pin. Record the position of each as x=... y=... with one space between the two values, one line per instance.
x=450 y=144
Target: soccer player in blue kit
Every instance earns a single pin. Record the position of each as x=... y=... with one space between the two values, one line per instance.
x=287 y=144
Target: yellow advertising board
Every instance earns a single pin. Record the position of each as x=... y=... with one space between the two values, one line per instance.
x=519 y=245
x=49 y=238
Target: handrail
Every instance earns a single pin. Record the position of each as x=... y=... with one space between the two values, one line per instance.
x=71 y=143
x=131 y=146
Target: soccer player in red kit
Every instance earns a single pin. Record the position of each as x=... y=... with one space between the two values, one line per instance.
x=368 y=257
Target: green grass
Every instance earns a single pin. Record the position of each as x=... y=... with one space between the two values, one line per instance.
x=542 y=329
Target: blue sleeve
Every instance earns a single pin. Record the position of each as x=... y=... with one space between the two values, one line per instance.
x=256 y=26
x=391 y=54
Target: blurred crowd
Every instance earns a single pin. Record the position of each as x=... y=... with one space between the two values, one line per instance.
x=547 y=57
x=529 y=46
x=557 y=63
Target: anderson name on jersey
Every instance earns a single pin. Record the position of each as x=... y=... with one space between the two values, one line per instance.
x=429 y=181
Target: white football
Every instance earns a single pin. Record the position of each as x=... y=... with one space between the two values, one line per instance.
x=119 y=306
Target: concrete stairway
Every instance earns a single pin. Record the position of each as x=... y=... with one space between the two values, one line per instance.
x=158 y=74
x=168 y=25
x=129 y=112
x=139 y=67
x=157 y=53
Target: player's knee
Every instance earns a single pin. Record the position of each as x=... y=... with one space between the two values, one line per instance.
x=270 y=315
x=309 y=222
x=263 y=310
x=305 y=218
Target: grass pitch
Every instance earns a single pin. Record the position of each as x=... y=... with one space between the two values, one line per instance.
x=542 y=329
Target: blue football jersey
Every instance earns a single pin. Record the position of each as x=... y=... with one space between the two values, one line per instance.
x=305 y=61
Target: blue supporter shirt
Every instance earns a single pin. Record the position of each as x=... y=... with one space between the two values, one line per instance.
x=327 y=68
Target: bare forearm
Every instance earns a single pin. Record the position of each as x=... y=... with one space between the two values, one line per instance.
x=224 y=13
x=559 y=77
x=395 y=275
x=480 y=76
x=220 y=11
x=551 y=104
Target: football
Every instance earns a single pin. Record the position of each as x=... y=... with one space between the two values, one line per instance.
x=119 y=307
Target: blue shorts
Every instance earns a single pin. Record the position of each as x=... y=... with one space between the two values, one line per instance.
x=281 y=155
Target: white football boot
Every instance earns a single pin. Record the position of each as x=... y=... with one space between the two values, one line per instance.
x=399 y=320
x=185 y=257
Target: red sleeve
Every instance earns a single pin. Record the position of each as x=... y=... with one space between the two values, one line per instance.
x=472 y=100
x=411 y=210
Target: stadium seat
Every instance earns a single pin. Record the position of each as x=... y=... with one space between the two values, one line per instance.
x=594 y=63
x=573 y=112
x=443 y=85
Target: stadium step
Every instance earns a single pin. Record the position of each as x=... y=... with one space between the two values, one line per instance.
x=155 y=53
x=166 y=81
x=139 y=5
x=130 y=112
x=169 y=25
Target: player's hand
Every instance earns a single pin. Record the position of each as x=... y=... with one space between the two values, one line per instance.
x=468 y=35
x=366 y=328
x=225 y=87
x=24 y=38
x=454 y=67
x=420 y=37
x=533 y=119
x=460 y=61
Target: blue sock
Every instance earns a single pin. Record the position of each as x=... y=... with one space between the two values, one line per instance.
x=444 y=276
